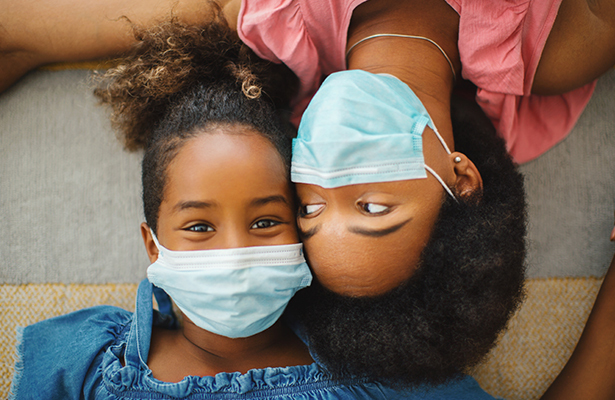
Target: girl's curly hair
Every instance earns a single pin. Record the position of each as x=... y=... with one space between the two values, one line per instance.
x=183 y=81
x=171 y=58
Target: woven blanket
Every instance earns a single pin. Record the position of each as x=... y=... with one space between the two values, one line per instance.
x=528 y=357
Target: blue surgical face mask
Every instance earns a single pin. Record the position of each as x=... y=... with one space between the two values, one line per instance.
x=231 y=292
x=362 y=128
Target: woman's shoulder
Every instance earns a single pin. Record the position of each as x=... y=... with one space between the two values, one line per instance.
x=58 y=356
x=580 y=47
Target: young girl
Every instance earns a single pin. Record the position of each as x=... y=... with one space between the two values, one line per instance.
x=221 y=236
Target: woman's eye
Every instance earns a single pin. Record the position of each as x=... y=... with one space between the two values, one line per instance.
x=200 y=228
x=264 y=223
x=309 y=209
x=373 y=208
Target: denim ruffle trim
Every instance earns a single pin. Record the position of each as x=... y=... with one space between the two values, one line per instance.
x=19 y=348
x=258 y=382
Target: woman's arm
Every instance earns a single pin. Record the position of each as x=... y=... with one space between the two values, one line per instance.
x=38 y=32
x=580 y=47
x=590 y=372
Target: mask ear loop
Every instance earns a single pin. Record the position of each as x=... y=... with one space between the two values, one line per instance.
x=435 y=130
x=432 y=172
x=155 y=239
x=448 y=190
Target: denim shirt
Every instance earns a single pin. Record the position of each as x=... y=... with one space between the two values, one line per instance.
x=101 y=353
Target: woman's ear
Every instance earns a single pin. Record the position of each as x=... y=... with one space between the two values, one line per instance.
x=148 y=240
x=468 y=181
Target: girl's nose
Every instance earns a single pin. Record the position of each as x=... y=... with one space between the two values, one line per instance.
x=233 y=237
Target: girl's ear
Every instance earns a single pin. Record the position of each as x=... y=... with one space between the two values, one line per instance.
x=150 y=246
x=468 y=181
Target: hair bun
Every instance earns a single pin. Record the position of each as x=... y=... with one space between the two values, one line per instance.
x=171 y=58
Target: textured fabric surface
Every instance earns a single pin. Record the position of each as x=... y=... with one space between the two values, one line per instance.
x=528 y=357
x=571 y=195
x=70 y=204
x=22 y=305
x=540 y=338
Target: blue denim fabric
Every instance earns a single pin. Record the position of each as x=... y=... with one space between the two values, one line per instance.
x=80 y=356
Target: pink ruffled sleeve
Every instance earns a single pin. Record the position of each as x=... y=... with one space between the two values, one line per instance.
x=308 y=36
x=500 y=44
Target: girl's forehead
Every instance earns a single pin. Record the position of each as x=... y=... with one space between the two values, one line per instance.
x=219 y=161
x=234 y=147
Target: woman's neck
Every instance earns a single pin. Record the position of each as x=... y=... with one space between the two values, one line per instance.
x=194 y=351
x=418 y=63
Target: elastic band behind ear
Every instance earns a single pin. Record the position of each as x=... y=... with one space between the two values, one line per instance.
x=440 y=139
x=155 y=239
x=448 y=190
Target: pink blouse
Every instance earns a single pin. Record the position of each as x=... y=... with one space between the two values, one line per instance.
x=500 y=43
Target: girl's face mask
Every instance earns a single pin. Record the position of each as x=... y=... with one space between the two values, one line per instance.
x=229 y=217
x=231 y=292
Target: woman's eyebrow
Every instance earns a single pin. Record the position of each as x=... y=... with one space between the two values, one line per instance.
x=261 y=201
x=304 y=235
x=377 y=232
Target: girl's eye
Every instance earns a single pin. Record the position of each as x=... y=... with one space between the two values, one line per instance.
x=264 y=223
x=308 y=209
x=200 y=228
x=373 y=208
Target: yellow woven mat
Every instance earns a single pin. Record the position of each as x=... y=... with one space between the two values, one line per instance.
x=540 y=338
x=22 y=305
x=528 y=356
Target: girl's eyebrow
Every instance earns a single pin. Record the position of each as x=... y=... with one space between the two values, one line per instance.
x=183 y=205
x=261 y=201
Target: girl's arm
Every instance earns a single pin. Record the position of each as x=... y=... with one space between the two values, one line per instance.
x=38 y=32
x=580 y=47
x=590 y=372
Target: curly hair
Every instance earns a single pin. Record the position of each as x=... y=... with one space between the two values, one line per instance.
x=447 y=316
x=183 y=81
